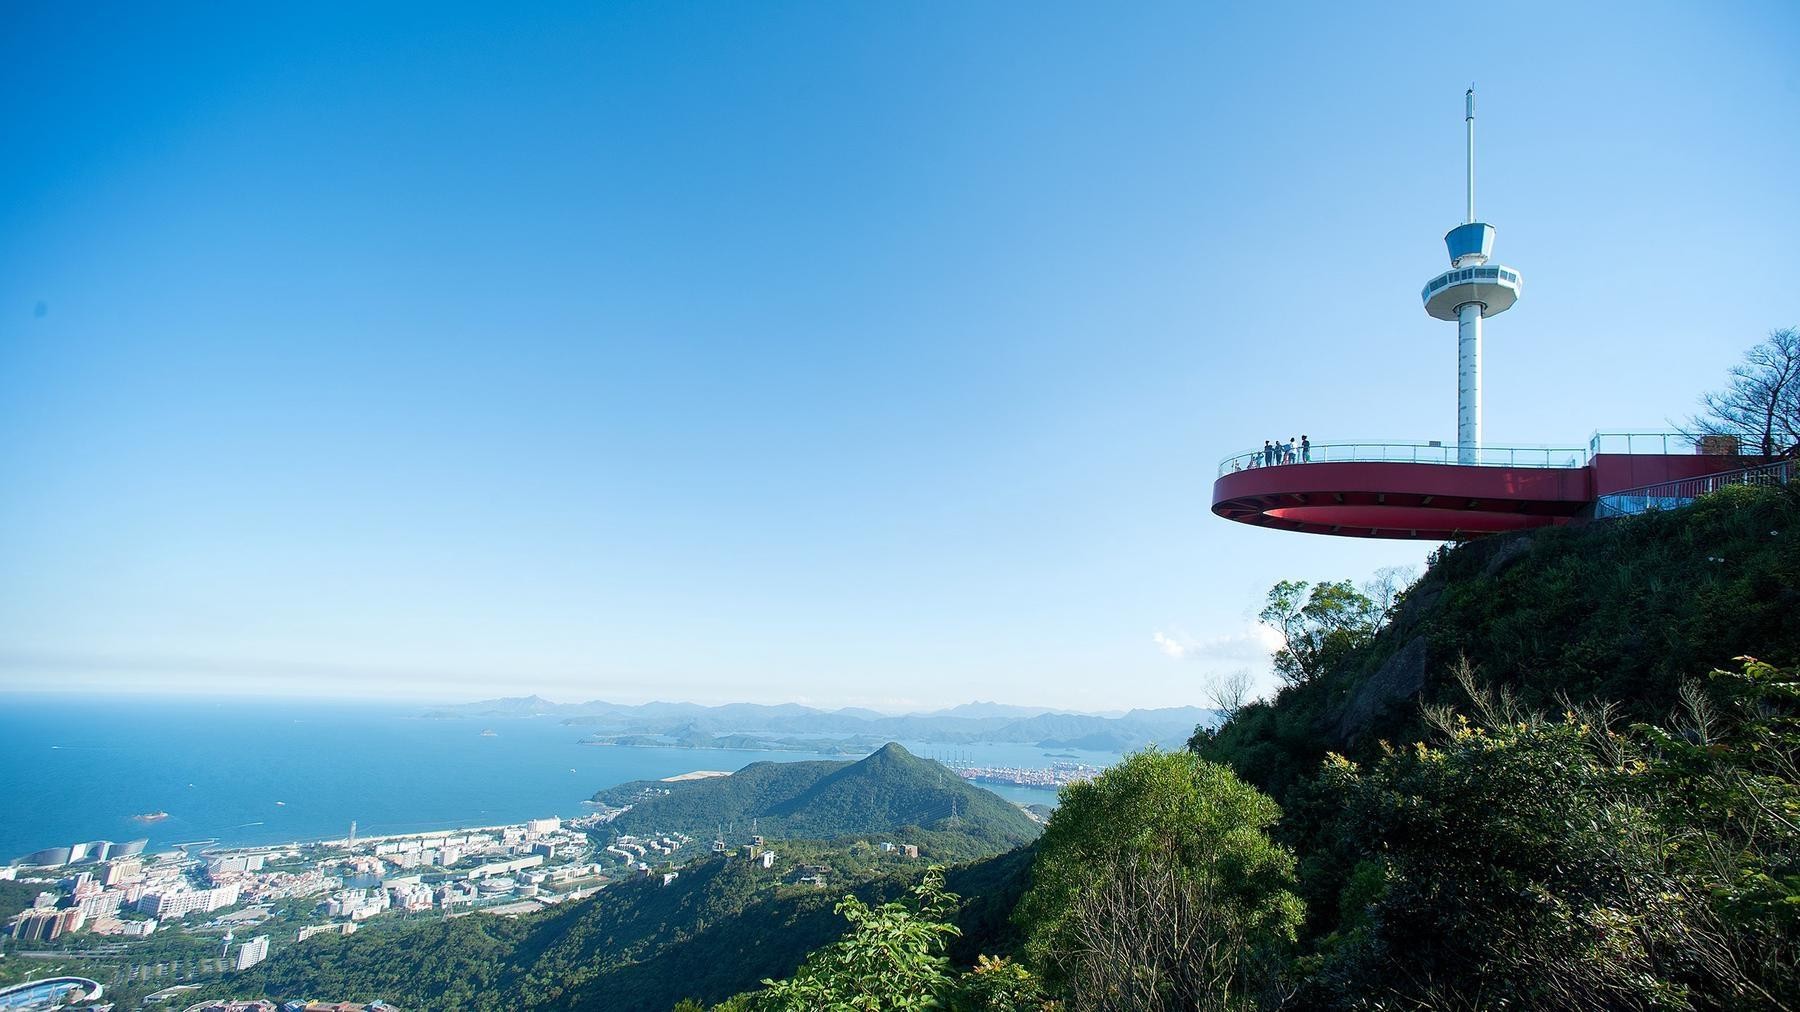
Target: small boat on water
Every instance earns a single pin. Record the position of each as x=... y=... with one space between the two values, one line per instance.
x=151 y=817
x=489 y=733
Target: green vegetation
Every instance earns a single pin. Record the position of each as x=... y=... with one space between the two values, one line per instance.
x=1319 y=626
x=14 y=897
x=1615 y=612
x=892 y=793
x=892 y=960
x=1157 y=887
x=1518 y=861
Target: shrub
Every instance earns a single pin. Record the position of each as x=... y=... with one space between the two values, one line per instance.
x=1156 y=886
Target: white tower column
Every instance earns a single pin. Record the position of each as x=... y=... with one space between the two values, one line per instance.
x=1468 y=383
x=1471 y=290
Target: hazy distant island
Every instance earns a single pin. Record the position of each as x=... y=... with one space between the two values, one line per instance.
x=743 y=742
x=849 y=731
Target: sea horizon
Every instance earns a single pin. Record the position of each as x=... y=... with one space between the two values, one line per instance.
x=263 y=772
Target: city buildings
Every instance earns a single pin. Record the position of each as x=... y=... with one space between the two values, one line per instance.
x=345 y=928
x=234 y=864
x=129 y=895
x=36 y=925
x=122 y=871
x=101 y=904
x=179 y=901
x=107 y=924
x=356 y=904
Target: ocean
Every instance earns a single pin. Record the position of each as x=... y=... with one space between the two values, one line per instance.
x=81 y=768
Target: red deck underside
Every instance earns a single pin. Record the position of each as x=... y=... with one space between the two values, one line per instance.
x=1438 y=501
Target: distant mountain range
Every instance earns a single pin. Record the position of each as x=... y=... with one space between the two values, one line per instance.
x=890 y=792
x=796 y=727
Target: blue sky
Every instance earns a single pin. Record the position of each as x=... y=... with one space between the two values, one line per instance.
x=844 y=353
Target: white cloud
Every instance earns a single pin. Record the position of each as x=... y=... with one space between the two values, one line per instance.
x=1249 y=646
x=1170 y=645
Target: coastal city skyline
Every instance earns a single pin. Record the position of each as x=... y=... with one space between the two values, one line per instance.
x=878 y=360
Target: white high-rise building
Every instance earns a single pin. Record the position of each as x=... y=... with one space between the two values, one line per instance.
x=252 y=952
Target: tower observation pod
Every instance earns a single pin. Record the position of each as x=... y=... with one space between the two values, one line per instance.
x=1469 y=292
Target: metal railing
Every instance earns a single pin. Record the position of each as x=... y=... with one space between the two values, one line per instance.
x=1667 y=443
x=1407 y=453
x=1670 y=495
x=1436 y=452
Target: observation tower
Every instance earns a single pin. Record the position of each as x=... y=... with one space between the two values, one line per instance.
x=1430 y=490
x=1470 y=291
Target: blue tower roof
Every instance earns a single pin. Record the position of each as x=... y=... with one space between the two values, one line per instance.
x=1476 y=239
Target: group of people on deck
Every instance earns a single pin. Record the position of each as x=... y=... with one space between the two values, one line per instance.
x=1276 y=452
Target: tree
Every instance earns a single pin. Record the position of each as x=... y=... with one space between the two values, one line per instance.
x=1156 y=887
x=1386 y=588
x=1760 y=404
x=892 y=959
x=1229 y=692
x=1319 y=625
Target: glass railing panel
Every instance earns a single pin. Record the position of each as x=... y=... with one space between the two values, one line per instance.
x=1641 y=442
x=1672 y=443
x=1406 y=452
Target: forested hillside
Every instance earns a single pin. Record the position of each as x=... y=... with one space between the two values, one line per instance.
x=1618 y=612
x=719 y=929
x=891 y=792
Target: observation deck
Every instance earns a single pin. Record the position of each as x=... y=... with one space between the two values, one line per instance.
x=1412 y=490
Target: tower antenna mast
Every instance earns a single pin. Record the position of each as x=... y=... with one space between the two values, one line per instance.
x=1469 y=120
